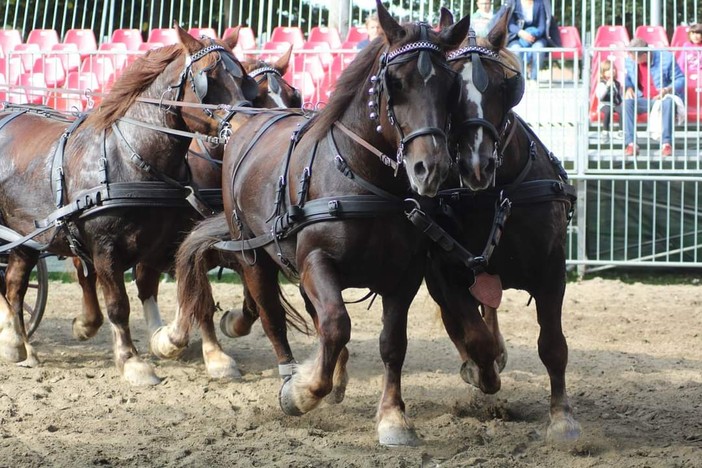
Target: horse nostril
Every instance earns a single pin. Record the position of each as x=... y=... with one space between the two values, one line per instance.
x=420 y=170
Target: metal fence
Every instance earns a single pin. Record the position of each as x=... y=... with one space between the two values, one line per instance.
x=632 y=211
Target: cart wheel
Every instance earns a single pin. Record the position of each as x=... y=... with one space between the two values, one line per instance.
x=37 y=291
x=35 y=299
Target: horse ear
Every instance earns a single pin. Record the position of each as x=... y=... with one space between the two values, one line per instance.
x=232 y=39
x=191 y=44
x=392 y=29
x=497 y=37
x=282 y=63
x=446 y=18
x=453 y=35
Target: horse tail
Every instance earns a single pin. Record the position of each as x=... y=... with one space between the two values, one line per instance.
x=292 y=316
x=196 y=256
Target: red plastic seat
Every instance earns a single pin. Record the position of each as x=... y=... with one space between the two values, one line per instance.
x=34 y=87
x=65 y=102
x=52 y=69
x=165 y=36
x=349 y=45
x=311 y=64
x=325 y=34
x=3 y=84
x=680 y=36
x=85 y=82
x=146 y=46
x=693 y=93
x=323 y=51
x=246 y=41
x=44 y=38
x=102 y=67
x=357 y=34
x=9 y=38
x=341 y=61
x=83 y=38
x=655 y=36
x=274 y=50
x=198 y=32
x=570 y=38
x=116 y=52
x=68 y=53
x=290 y=34
x=130 y=37
x=304 y=83
x=28 y=53
x=12 y=68
x=608 y=35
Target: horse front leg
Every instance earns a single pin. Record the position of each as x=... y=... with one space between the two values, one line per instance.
x=14 y=342
x=553 y=351
x=147 y=280
x=314 y=379
x=87 y=324
x=490 y=317
x=131 y=366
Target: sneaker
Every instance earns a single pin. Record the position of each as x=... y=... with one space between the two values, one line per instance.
x=604 y=138
x=631 y=150
x=666 y=149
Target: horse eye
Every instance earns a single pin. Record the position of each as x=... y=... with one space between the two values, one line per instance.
x=396 y=84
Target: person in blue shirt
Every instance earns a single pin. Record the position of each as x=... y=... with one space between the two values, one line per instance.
x=650 y=76
x=530 y=27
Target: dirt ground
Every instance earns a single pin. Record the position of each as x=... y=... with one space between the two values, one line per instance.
x=634 y=377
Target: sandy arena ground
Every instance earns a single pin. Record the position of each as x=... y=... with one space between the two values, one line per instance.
x=634 y=378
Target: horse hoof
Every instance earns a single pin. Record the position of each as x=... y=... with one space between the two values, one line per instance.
x=286 y=399
x=470 y=373
x=234 y=324
x=11 y=346
x=82 y=332
x=139 y=373
x=502 y=357
x=161 y=345
x=398 y=437
x=222 y=368
x=564 y=429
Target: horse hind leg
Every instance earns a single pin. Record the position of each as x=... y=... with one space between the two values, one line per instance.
x=147 y=280
x=87 y=324
x=236 y=323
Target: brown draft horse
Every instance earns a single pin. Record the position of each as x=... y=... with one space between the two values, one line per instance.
x=335 y=169
x=531 y=252
x=103 y=189
x=204 y=160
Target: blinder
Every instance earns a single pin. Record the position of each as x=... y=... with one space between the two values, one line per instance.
x=249 y=88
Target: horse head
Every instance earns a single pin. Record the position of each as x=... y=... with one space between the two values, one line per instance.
x=273 y=89
x=493 y=84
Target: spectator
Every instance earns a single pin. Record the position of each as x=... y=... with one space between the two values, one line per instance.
x=530 y=26
x=609 y=95
x=480 y=19
x=689 y=59
x=650 y=76
x=373 y=28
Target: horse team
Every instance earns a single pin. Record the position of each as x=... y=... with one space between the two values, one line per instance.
x=416 y=160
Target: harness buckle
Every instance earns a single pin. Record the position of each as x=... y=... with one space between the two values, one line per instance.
x=334 y=207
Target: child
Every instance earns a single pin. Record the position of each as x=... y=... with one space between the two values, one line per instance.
x=609 y=94
x=689 y=58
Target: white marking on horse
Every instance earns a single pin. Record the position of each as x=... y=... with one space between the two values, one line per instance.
x=474 y=96
x=277 y=98
x=152 y=315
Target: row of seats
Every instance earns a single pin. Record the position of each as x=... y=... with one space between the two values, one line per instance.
x=655 y=36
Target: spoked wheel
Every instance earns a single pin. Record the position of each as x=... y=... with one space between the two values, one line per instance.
x=37 y=293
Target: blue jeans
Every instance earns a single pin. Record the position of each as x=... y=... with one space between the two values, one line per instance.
x=535 y=59
x=643 y=106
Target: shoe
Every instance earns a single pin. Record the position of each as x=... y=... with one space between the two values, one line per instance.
x=604 y=138
x=631 y=150
x=667 y=149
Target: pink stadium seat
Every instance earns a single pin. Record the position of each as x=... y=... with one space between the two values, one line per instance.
x=274 y=50
x=679 y=36
x=34 y=87
x=207 y=32
x=165 y=36
x=130 y=37
x=655 y=36
x=102 y=67
x=68 y=53
x=341 y=61
x=83 y=38
x=12 y=68
x=607 y=36
x=28 y=53
x=65 y=102
x=303 y=81
x=9 y=38
x=349 y=45
x=325 y=34
x=570 y=38
x=44 y=38
x=693 y=92
x=52 y=68
x=145 y=46
x=290 y=34
x=357 y=34
x=246 y=41
x=311 y=64
x=3 y=84
x=323 y=51
x=116 y=52
x=83 y=81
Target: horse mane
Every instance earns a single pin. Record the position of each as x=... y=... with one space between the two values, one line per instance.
x=135 y=80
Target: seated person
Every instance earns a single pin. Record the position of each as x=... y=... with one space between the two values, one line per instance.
x=373 y=28
x=609 y=95
x=689 y=59
x=650 y=76
x=530 y=27
x=480 y=19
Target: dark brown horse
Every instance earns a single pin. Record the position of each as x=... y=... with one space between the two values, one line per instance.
x=112 y=189
x=329 y=210
x=204 y=160
x=530 y=254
